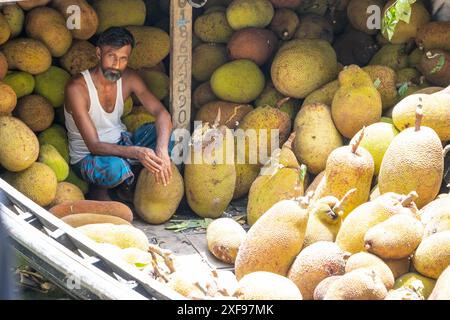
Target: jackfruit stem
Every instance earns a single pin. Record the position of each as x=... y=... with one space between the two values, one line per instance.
x=358 y=140
x=288 y=143
x=409 y=198
x=367 y=246
x=419 y=117
x=339 y=206
x=446 y=150
x=281 y=102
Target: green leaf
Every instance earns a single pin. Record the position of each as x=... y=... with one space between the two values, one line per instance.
x=377 y=83
x=400 y=10
x=403 y=89
x=439 y=65
x=303 y=171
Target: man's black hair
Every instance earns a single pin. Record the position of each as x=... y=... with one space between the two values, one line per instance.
x=116 y=37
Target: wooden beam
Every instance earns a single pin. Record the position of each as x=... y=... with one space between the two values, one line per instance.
x=180 y=63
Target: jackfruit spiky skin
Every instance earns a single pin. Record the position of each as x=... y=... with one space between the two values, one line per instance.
x=279 y=233
x=249 y=13
x=344 y=171
x=213 y=27
x=49 y=26
x=80 y=56
x=51 y=85
x=392 y=56
x=20 y=148
x=360 y=284
x=15 y=17
x=111 y=13
x=206 y=58
x=441 y=290
x=356 y=99
x=413 y=162
x=370 y=261
x=302 y=66
x=267 y=286
x=315 y=263
x=22 y=83
x=27 y=55
x=433 y=255
x=66 y=191
x=38 y=182
x=387 y=83
x=239 y=81
x=8 y=99
x=395 y=238
x=359 y=14
x=51 y=157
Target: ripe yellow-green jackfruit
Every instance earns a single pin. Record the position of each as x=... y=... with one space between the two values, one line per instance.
x=156 y=203
x=278 y=234
x=27 y=55
x=302 y=66
x=206 y=58
x=66 y=191
x=21 y=147
x=49 y=26
x=413 y=162
x=385 y=80
x=316 y=136
x=356 y=99
x=152 y=46
x=5 y=31
x=8 y=99
x=57 y=137
x=238 y=81
x=376 y=140
x=15 y=17
x=50 y=156
x=249 y=13
x=224 y=237
x=51 y=85
x=213 y=27
x=119 y=13
x=267 y=286
x=210 y=176
x=21 y=82
x=315 y=263
x=38 y=182
x=123 y=236
x=347 y=168
x=433 y=255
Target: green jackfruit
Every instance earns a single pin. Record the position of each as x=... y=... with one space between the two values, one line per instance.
x=21 y=82
x=57 y=137
x=119 y=13
x=239 y=81
x=51 y=157
x=250 y=13
x=51 y=85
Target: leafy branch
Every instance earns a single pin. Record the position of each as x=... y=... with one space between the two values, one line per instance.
x=400 y=10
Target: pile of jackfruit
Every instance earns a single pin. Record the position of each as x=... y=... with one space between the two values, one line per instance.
x=351 y=203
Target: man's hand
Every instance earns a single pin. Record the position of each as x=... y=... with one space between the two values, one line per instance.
x=165 y=175
x=149 y=160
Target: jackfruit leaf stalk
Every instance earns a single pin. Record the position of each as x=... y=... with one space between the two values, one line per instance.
x=357 y=141
x=338 y=208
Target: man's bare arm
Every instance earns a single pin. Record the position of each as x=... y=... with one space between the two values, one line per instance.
x=77 y=105
x=163 y=123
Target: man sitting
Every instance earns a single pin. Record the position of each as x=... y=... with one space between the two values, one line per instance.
x=101 y=150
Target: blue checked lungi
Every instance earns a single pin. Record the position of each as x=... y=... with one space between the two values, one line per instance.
x=111 y=171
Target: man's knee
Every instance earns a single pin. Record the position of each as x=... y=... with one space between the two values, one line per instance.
x=107 y=172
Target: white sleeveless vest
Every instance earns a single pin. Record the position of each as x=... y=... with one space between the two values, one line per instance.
x=109 y=125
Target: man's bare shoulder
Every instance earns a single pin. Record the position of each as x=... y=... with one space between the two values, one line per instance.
x=130 y=75
x=76 y=85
